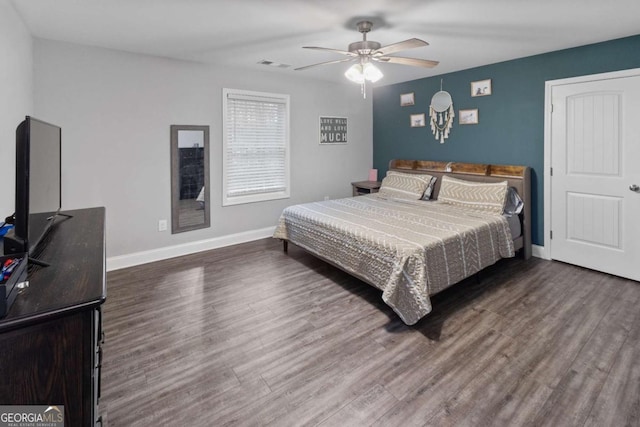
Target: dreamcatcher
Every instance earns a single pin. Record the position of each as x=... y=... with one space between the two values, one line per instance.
x=441 y=114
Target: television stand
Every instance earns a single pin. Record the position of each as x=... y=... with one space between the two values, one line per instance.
x=38 y=262
x=35 y=260
x=62 y=214
x=51 y=338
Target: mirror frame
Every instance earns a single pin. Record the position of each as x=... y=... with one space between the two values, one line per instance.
x=175 y=179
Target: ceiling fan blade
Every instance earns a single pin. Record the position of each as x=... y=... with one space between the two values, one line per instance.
x=397 y=47
x=408 y=61
x=325 y=63
x=342 y=52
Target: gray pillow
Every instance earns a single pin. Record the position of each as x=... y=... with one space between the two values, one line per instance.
x=514 y=203
x=428 y=192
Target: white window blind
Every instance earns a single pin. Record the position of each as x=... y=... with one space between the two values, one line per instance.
x=255 y=146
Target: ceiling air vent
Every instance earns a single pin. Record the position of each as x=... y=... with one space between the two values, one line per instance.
x=273 y=64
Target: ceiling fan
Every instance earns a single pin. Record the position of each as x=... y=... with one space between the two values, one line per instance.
x=365 y=52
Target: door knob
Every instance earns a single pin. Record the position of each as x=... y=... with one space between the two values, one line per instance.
x=634 y=187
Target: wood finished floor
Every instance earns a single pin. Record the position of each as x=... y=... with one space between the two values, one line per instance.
x=248 y=335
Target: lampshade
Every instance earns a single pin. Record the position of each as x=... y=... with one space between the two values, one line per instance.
x=371 y=72
x=357 y=73
x=354 y=73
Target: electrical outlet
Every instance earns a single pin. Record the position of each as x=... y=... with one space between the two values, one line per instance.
x=326 y=197
x=162 y=225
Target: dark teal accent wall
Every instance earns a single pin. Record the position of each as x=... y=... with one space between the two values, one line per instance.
x=511 y=120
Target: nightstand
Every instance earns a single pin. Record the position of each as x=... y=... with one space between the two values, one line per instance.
x=365 y=187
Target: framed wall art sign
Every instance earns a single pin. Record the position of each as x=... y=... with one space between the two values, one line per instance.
x=333 y=130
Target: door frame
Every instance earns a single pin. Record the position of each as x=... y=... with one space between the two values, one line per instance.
x=546 y=251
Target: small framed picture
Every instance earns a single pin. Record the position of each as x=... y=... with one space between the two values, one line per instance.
x=481 y=88
x=468 y=117
x=406 y=99
x=418 y=120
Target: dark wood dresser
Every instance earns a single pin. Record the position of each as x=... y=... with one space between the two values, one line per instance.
x=50 y=340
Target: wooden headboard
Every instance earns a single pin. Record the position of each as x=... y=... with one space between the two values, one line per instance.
x=517 y=176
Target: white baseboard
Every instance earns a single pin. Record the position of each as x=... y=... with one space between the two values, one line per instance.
x=137 y=258
x=539 y=252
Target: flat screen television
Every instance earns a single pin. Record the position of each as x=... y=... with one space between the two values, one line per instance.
x=38 y=185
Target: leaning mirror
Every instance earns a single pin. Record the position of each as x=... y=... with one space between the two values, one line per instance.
x=190 y=205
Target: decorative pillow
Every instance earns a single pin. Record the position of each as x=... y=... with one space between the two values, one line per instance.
x=485 y=196
x=514 y=203
x=404 y=185
x=429 y=190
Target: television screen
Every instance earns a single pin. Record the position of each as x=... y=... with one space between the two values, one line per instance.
x=44 y=177
x=38 y=183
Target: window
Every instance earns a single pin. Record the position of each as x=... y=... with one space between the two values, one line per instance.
x=255 y=164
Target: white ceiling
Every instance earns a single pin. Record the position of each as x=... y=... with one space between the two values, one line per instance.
x=462 y=33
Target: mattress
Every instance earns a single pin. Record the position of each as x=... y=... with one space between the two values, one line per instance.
x=515 y=227
x=408 y=249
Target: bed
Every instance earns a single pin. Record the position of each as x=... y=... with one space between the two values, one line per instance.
x=411 y=248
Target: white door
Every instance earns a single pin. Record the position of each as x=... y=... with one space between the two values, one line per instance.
x=595 y=160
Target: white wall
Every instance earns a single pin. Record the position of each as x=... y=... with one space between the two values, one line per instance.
x=16 y=95
x=115 y=109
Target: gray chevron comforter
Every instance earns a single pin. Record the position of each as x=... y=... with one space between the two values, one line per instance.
x=408 y=249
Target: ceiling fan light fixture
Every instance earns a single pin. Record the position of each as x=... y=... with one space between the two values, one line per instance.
x=355 y=74
x=358 y=73
x=371 y=72
x=365 y=51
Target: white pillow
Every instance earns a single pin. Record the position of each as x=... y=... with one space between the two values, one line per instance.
x=404 y=185
x=485 y=196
